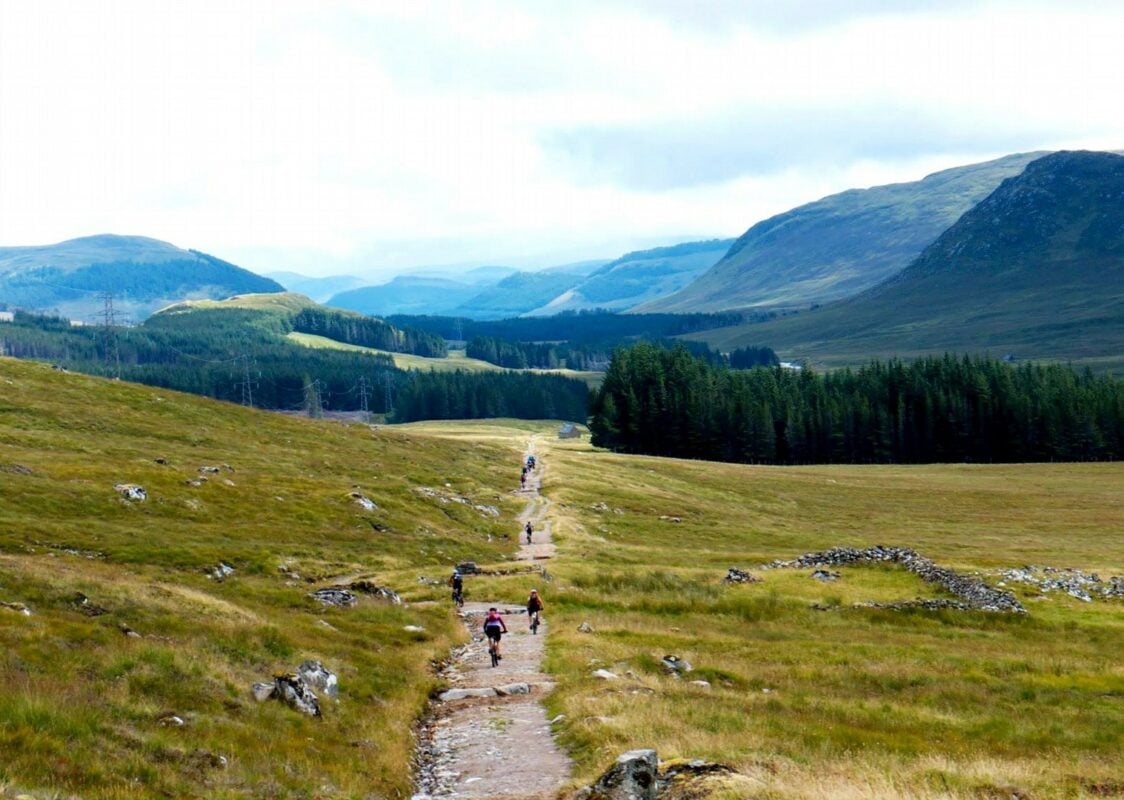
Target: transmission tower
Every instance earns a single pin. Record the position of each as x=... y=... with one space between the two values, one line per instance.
x=247 y=382
x=109 y=331
x=388 y=400
x=312 y=405
x=363 y=397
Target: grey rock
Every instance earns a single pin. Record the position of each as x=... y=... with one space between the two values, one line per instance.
x=341 y=598
x=369 y=587
x=632 y=777
x=461 y=694
x=676 y=664
x=826 y=575
x=605 y=675
x=291 y=689
x=413 y=628
x=735 y=575
x=513 y=688
x=262 y=691
x=364 y=502
x=701 y=684
x=319 y=677
x=585 y=627
x=221 y=572
x=468 y=568
x=19 y=608
x=131 y=492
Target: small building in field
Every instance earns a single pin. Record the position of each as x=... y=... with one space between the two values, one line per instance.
x=569 y=431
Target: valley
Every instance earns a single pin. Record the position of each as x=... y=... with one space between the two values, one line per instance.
x=805 y=695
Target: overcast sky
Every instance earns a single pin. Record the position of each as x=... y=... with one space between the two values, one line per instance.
x=329 y=137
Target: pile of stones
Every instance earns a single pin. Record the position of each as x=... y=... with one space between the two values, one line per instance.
x=973 y=592
x=735 y=575
x=296 y=689
x=1086 y=586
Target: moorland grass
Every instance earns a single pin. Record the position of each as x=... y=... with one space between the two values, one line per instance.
x=81 y=701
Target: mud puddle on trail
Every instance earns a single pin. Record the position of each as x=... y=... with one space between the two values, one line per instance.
x=496 y=746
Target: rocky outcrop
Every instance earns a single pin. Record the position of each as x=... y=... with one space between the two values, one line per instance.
x=735 y=575
x=632 y=777
x=296 y=689
x=973 y=592
x=334 y=596
x=639 y=775
x=367 y=587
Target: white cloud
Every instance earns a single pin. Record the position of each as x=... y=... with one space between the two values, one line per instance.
x=351 y=135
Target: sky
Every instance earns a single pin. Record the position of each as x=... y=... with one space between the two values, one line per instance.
x=373 y=137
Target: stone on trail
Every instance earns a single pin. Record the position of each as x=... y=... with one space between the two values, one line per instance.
x=633 y=777
x=461 y=694
x=513 y=688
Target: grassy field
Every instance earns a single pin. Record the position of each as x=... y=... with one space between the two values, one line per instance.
x=843 y=703
x=81 y=702
x=456 y=360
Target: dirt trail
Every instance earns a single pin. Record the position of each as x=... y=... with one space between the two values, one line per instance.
x=498 y=746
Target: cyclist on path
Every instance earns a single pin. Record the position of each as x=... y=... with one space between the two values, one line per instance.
x=534 y=607
x=494 y=628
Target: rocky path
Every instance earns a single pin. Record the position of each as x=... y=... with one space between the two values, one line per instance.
x=489 y=735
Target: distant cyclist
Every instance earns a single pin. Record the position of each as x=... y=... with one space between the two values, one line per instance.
x=494 y=628
x=456 y=580
x=529 y=529
x=523 y=480
x=534 y=608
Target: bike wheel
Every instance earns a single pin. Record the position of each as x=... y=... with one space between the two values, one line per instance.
x=495 y=656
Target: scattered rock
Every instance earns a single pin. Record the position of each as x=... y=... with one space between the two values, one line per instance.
x=735 y=575
x=365 y=503
x=973 y=592
x=1086 y=586
x=632 y=777
x=196 y=482
x=585 y=627
x=365 y=586
x=666 y=518
x=131 y=492
x=445 y=497
x=263 y=691
x=600 y=507
x=605 y=675
x=125 y=629
x=675 y=664
x=17 y=607
x=221 y=572
x=340 y=598
x=291 y=689
x=209 y=470
x=16 y=469
x=170 y=719
x=228 y=482
x=86 y=607
x=826 y=575
x=513 y=688
x=323 y=623
x=413 y=628
x=318 y=677
x=161 y=461
x=701 y=684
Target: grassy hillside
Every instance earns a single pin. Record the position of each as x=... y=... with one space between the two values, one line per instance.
x=81 y=710
x=455 y=361
x=143 y=274
x=638 y=277
x=406 y=294
x=840 y=245
x=1035 y=270
x=844 y=702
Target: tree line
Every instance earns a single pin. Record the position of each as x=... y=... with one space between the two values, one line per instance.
x=474 y=395
x=938 y=409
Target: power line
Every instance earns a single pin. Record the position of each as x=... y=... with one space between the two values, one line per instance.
x=363 y=396
x=247 y=382
x=109 y=327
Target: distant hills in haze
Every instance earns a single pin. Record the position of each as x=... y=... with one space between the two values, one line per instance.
x=143 y=275
x=1035 y=270
x=840 y=245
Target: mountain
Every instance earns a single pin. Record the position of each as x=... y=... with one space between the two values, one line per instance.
x=143 y=274
x=640 y=276
x=840 y=245
x=407 y=294
x=1035 y=270
x=319 y=289
x=516 y=295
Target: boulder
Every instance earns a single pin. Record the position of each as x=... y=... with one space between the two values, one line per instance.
x=513 y=688
x=262 y=691
x=365 y=586
x=365 y=503
x=826 y=575
x=461 y=694
x=291 y=689
x=675 y=664
x=468 y=568
x=341 y=598
x=585 y=627
x=221 y=572
x=632 y=777
x=318 y=677
x=131 y=492
x=735 y=575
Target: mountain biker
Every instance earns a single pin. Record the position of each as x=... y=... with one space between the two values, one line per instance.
x=456 y=580
x=529 y=530
x=523 y=480
x=534 y=606
x=494 y=627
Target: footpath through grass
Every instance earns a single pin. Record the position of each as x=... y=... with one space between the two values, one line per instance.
x=846 y=702
x=84 y=707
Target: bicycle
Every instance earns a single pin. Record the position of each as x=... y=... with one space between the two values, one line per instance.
x=458 y=597
x=535 y=623
x=492 y=643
